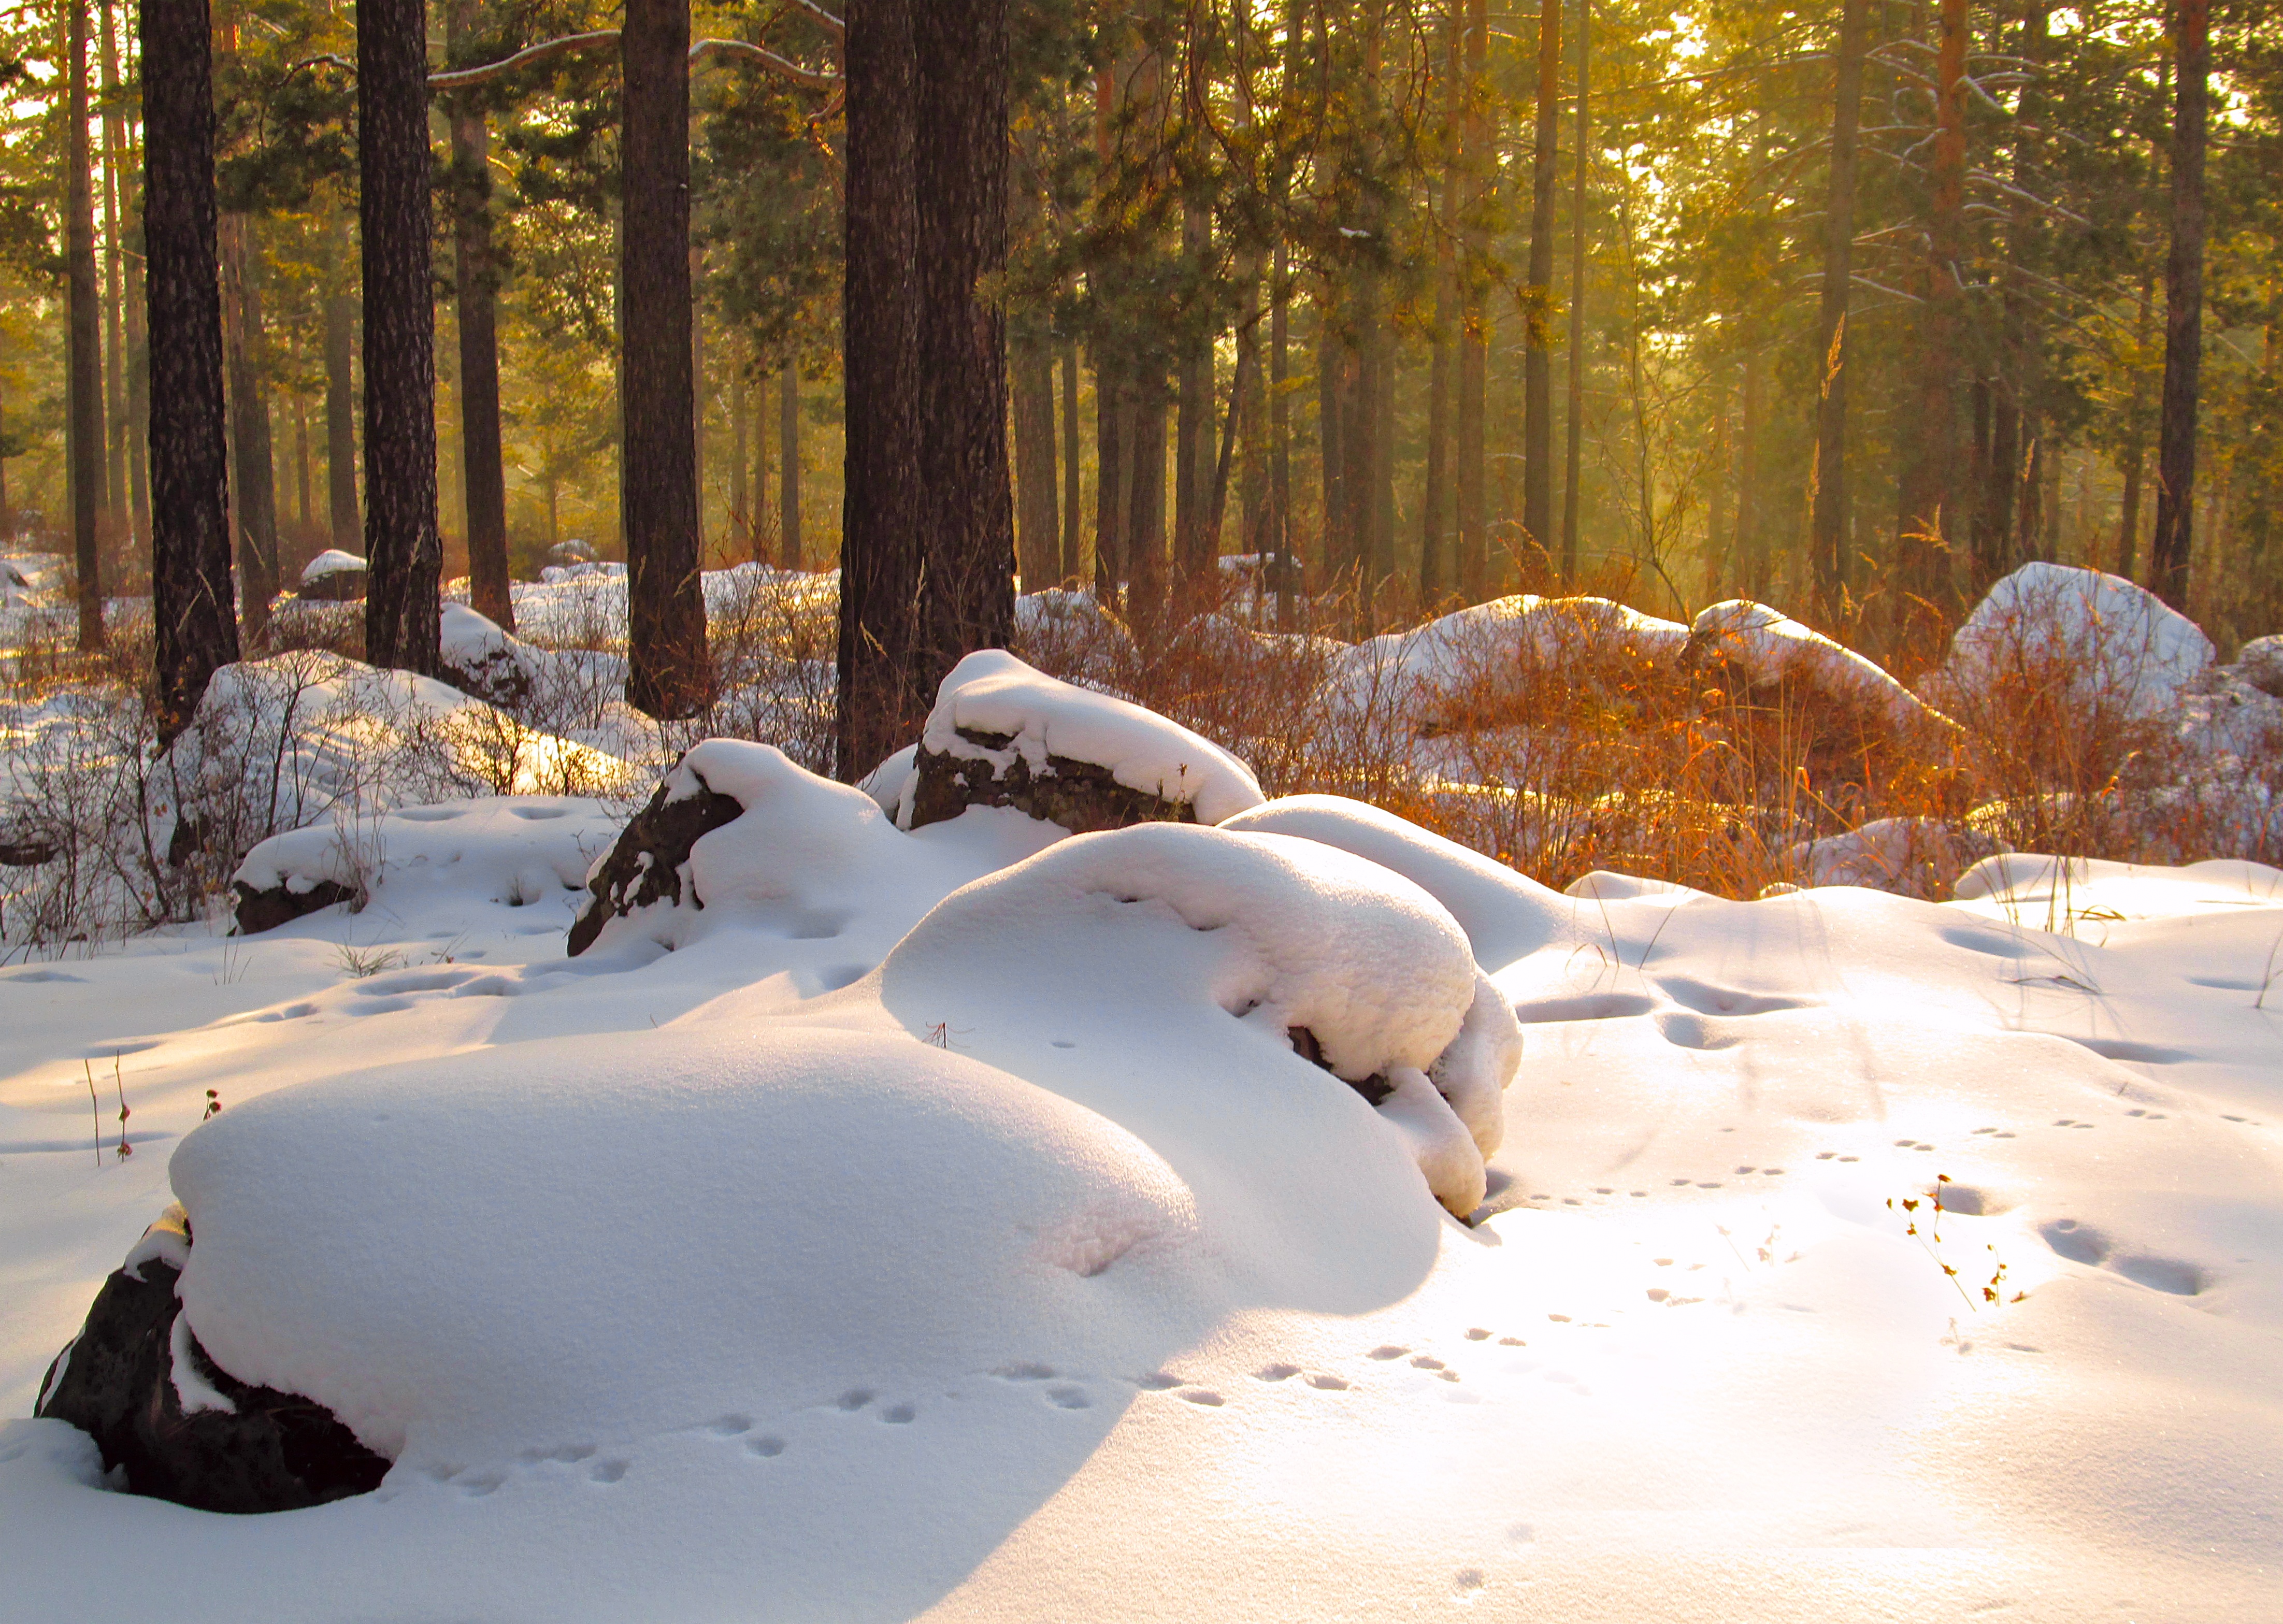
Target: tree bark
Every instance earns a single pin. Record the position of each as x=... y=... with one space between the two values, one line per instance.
x=741 y=506
x=1828 y=517
x=1039 y=527
x=1067 y=568
x=190 y=535
x=340 y=390
x=84 y=339
x=2136 y=448
x=1538 y=359
x=1284 y=572
x=1746 y=553
x=2169 y=547
x=1145 y=517
x=666 y=674
x=404 y=553
x=1112 y=456
x=255 y=464
x=789 y=472
x=476 y=292
x=1479 y=135
x=881 y=706
x=1574 y=458
x=119 y=517
x=1193 y=421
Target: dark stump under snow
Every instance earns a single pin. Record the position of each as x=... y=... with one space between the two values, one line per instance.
x=257 y=1451
x=645 y=865
x=265 y=909
x=1080 y=796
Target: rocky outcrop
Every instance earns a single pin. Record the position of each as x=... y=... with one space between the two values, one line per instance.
x=256 y=910
x=644 y=866
x=1080 y=796
x=178 y=1425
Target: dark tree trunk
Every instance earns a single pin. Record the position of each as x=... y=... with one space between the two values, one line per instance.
x=1067 y=567
x=1574 y=459
x=340 y=393
x=83 y=336
x=2184 y=308
x=138 y=388
x=255 y=465
x=1113 y=475
x=302 y=484
x=404 y=554
x=1039 y=517
x=2136 y=450
x=1332 y=364
x=1537 y=358
x=190 y=512
x=1434 y=488
x=789 y=468
x=1746 y=553
x=741 y=505
x=120 y=517
x=1145 y=517
x=1284 y=572
x=1828 y=518
x=1383 y=452
x=483 y=477
x=881 y=705
x=657 y=478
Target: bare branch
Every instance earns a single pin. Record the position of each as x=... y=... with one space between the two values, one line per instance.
x=547 y=50
x=738 y=50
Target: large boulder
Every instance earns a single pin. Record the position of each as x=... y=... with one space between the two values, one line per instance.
x=334 y=577
x=646 y=865
x=176 y=1424
x=1004 y=735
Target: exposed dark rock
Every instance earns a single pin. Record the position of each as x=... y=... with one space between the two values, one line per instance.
x=336 y=586
x=259 y=910
x=269 y=1451
x=25 y=854
x=1080 y=796
x=1374 y=1089
x=645 y=865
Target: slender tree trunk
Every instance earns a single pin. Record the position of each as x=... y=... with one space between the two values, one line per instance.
x=1829 y=514
x=741 y=500
x=1574 y=459
x=340 y=390
x=881 y=703
x=1537 y=358
x=699 y=391
x=1145 y=519
x=1331 y=435
x=302 y=471
x=1434 y=491
x=190 y=536
x=254 y=464
x=1925 y=519
x=1038 y=528
x=1284 y=575
x=1479 y=135
x=2169 y=547
x=789 y=472
x=666 y=673
x=139 y=386
x=1747 y=550
x=1718 y=529
x=1193 y=420
x=118 y=515
x=2136 y=448
x=483 y=476
x=1113 y=466
x=1068 y=569
x=84 y=345
x=404 y=553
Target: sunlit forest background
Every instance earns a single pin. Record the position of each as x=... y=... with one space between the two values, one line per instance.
x=1450 y=300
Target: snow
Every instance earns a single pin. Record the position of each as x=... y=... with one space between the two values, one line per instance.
x=991 y=691
x=2122 y=646
x=943 y=1223
x=1772 y=647
x=332 y=561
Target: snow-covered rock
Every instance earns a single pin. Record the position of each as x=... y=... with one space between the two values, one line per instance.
x=1911 y=856
x=482 y=660
x=1004 y=734
x=2090 y=639
x=334 y=576
x=1769 y=649
x=2260 y=664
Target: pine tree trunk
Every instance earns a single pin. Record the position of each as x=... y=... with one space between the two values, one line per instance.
x=789 y=470
x=1479 y=136
x=1574 y=459
x=1193 y=420
x=2136 y=449
x=1538 y=359
x=1827 y=518
x=2169 y=547
x=301 y=474
x=1113 y=471
x=1067 y=567
x=83 y=338
x=404 y=553
x=881 y=705
x=341 y=391
x=139 y=385
x=118 y=518
x=666 y=672
x=741 y=500
x=254 y=466
x=1038 y=528
x=190 y=536
x=1746 y=550
x=1284 y=573
x=1145 y=517
x=476 y=292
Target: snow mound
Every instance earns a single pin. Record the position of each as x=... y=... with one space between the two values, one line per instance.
x=2054 y=893
x=1308 y=948
x=482 y=658
x=1489 y=641
x=1911 y=856
x=332 y=561
x=608 y=1237
x=2259 y=663
x=994 y=709
x=1507 y=915
x=2105 y=640
x=1770 y=647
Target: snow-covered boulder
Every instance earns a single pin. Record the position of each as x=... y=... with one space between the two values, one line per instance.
x=178 y=1426
x=334 y=576
x=482 y=660
x=2259 y=663
x=1911 y=856
x=1257 y=955
x=1002 y=734
x=2086 y=639
x=1765 y=649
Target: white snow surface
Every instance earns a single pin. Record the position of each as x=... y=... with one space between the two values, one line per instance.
x=992 y=692
x=2123 y=646
x=332 y=561
x=1770 y=647
x=934 y=1233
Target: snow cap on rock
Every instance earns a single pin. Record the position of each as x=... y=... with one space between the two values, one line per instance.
x=2118 y=643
